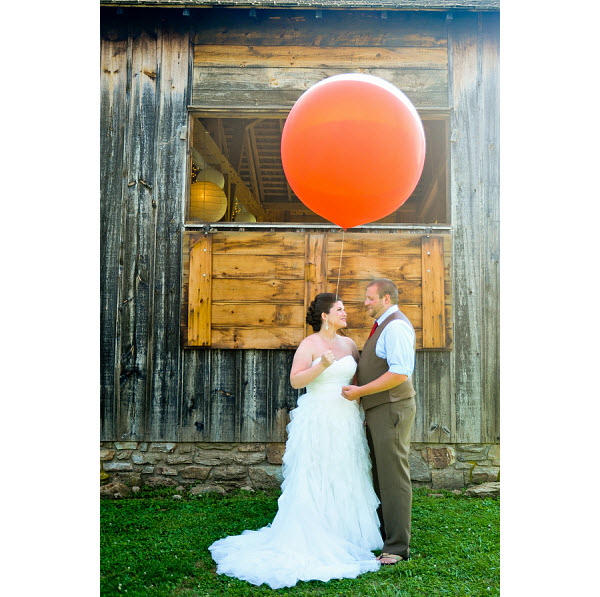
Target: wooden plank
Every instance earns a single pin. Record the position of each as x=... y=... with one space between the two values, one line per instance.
x=465 y=162
x=256 y=314
x=244 y=56
x=283 y=291
x=258 y=266
x=200 y=296
x=195 y=408
x=409 y=291
x=361 y=244
x=489 y=113
x=224 y=395
x=424 y=87
x=138 y=235
x=259 y=243
x=113 y=103
x=163 y=407
x=434 y=322
x=252 y=419
x=258 y=337
x=413 y=81
x=315 y=275
x=281 y=397
x=339 y=28
x=367 y=267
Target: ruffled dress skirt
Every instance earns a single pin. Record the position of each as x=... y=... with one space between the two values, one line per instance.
x=326 y=525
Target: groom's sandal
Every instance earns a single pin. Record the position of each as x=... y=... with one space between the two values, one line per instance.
x=392 y=557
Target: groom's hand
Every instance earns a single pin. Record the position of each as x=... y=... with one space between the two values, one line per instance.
x=351 y=392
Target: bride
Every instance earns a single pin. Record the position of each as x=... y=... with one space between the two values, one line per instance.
x=326 y=525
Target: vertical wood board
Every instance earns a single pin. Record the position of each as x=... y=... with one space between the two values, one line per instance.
x=200 y=296
x=138 y=231
x=113 y=106
x=466 y=215
x=315 y=275
x=434 y=313
x=490 y=191
x=171 y=159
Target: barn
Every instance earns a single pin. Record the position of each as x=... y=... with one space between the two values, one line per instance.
x=209 y=260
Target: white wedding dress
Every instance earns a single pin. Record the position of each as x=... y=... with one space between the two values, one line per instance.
x=326 y=525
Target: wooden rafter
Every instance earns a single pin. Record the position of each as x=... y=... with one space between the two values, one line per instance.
x=207 y=147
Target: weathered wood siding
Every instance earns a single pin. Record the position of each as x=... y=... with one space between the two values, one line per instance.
x=270 y=64
x=474 y=50
x=248 y=290
x=154 y=389
x=145 y=73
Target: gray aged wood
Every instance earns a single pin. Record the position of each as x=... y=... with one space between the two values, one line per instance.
x=113 y=104
x=474 y=174
x=152 y=389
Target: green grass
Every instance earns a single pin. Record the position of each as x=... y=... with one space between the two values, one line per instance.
x=155 y=546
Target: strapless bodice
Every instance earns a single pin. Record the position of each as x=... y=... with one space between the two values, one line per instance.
x=338 y=374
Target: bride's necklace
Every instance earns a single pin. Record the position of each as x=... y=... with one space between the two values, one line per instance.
x=330 y=341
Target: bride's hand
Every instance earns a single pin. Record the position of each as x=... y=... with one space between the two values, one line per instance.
x=327 y=358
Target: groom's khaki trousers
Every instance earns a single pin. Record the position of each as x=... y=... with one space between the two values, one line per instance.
x=388 y=435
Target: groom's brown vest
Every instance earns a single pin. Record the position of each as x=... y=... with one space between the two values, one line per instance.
x=370 y=367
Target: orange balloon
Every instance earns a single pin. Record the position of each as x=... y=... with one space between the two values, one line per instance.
x=353 y=149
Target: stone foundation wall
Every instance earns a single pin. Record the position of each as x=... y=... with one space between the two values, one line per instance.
x=204 y=467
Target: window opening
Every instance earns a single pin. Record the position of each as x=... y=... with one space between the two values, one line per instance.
x=236 y=175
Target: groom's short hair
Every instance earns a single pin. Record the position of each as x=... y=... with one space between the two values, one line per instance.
x=385 y=286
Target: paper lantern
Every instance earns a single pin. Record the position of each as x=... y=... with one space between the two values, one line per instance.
x=211 y=175
x=244 y=216
x=208 y=202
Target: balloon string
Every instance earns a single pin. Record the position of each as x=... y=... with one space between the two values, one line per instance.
x=340 y=265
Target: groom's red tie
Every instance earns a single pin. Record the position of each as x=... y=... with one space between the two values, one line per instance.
x=373 y=330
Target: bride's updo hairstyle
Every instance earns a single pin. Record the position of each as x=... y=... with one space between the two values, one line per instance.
x=322 y=304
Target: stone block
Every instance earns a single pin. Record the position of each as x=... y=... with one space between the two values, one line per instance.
x=439 y=458
x=419 y=471
x=146 y=458
x=106 y=454
x=163 y=447
x=195 y=472
x=447 y=478
x=165 y=470
x=129 y=479
x=201 y=489
x=265 y=477
x=251 y=447
x=472 y=452
x=160 y=482
x=275 y=453
x=228 y=473
x=126 y=445
x=214 y=457
x=143 y=446
x=179 y=458
x=185 y=448
x=484 y=490
x=494 y=454
x=249 y=458
x=123 y=454
x=114 y=491
x=117 y=466
x=483 y=474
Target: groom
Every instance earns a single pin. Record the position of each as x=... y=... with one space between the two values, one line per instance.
x=385 y=385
